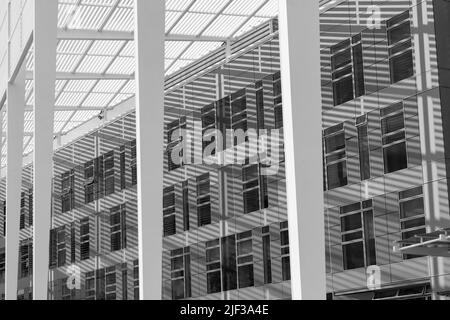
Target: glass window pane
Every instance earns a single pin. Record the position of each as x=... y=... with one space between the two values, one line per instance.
x=402 y=66
x=178 y=289
x=399 y=33
x=412 y=208
x=393 y=123
x=343 y=90
x=337 y=175
x=246 y=276
x=395 y=158
x=213 y=282
x=352 y=222
x=334 y=143
x=353 y=255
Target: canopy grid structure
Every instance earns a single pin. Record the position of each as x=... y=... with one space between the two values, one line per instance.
x=95 y=54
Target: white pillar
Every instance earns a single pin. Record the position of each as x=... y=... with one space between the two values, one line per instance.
x=14 y=153
x=45 y=26
x=300 y=69
x=149 y=42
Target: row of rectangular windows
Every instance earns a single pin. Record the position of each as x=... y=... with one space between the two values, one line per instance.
x=229 y=263
x=63 y=236
x=393 y=141
x=228 y=113
x=99 y=178
x=358 y=230
x=254 y=193
x=347 y=63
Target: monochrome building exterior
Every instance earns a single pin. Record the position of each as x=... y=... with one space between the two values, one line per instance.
x=385 y=97
x=385 y=91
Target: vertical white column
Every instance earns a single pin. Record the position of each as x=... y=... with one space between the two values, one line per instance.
x=300 y=69
x=14 y=154
x=45 y=26
x=149 y=41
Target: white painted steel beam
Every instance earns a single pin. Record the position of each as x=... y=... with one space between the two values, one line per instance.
x=45 y=29
x=86 y=76
x=150 y=27
x=67 y=34
x=14 y=155
x=300 y=69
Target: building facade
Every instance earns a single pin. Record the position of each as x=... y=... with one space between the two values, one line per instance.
x=385 y=96
x=385 y=91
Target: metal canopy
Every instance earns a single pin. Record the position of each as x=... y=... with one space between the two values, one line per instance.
x=435 y=244
x=95 y=53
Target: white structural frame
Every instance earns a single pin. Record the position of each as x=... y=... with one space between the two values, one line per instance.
x=300 y=71
x=45 y=27
x=15 y=116
x=300 y=66
x=149 y=51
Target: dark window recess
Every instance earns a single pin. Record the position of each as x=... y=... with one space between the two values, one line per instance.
x=30 y=207
x=136 y=279
x=213 y=267
x=170 y=228
x=68 y=191
x=58 y=247
x=394 y=138
x=186 y=220
x=123 y=167
x=239 y=122
x=204 y=200
x=109 y=173
x=336 y=158
x=73 y=244
x=358 y=236
x=245 y=260
x=255 y=193
x=358 y=66
x=347 y=70
x=89 y=284
x=22 y=211
x=229 y=268
x=53 y=257
x=118 y=228
x=85 y=239
x=412 y=215
x=2 y=265
x=25 y=259
x=215 y=116
x=400 y=47
x=181 y=274
x=175 y=136
x=267 y=260
x=133 y=163
x=260 y=105
x=285 y=253
x=101 y=284
x=3 y=211
x=61 y=246
x=91 y=182
x=124 y=281
x=364 y=149
x=278 y=101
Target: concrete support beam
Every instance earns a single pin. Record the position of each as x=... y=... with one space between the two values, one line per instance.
x=14 y=154
x=300 y=69
x=150 y=27
x=45 y=27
